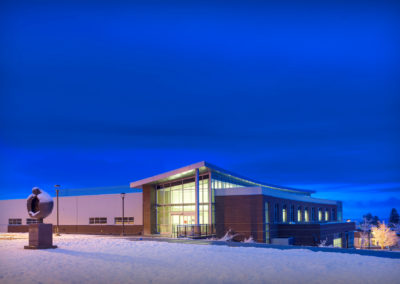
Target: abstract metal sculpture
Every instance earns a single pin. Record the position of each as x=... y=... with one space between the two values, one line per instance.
x=40 y=205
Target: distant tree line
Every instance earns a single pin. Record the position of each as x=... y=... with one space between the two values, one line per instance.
x=394 y=218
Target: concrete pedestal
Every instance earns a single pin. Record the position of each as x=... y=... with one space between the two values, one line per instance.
x=40 y=236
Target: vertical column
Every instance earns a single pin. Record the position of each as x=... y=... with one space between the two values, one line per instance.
x=210 y=212
x=197 y=197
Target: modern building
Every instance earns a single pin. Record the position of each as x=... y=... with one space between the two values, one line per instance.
x=86 y=214
x=203 y=200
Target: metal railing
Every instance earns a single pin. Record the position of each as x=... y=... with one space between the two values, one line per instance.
x=193 y=231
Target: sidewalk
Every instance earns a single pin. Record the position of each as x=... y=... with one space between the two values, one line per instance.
x=385 y=254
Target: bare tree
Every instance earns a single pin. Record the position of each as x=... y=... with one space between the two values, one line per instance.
x=365 y=228
x=384 y=236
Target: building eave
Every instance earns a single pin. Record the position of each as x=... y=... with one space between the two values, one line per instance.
x=176 y=172
x=203 y=165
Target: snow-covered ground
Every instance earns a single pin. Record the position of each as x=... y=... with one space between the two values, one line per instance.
x=92 y=259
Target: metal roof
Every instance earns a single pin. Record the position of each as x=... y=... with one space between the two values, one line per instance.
x=204 y=166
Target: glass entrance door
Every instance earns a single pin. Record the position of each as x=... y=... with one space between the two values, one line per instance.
x=181 y=219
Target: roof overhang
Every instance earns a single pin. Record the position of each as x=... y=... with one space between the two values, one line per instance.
x=171 y=175
x=203 y=166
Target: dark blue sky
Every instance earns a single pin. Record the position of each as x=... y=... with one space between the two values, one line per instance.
x=303 y=95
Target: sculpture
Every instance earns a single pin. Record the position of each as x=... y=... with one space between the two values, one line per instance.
x=40 y=205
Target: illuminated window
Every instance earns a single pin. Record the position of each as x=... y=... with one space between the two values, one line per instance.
x=188 y=192
x=284 y=214
x=337 y=241
x=127 y=220
x=299 y=214
x=33 y=221
x=98 y=220
x=203 y=214
x=306 y=217
x=203 y=184
x=326 y=215
x=266 y=212
x=267 y=233
x=14 y=221
x=319 y=214
x=176 y=194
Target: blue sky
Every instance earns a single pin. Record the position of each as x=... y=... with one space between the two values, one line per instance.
x=297 y=94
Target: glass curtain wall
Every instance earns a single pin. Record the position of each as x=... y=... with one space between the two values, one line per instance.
x=175 y=200
x=175 y=203
x=224 y=181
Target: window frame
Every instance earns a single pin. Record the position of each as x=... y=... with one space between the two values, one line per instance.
x=14 y=221
x=97 y=220
x=127 y=220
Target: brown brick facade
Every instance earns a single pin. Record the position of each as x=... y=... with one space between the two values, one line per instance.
x=245 y=215
x=242 y=214
x=149 y=209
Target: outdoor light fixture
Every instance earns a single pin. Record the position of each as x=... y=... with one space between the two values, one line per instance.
x=57 y=186
x=123 y=213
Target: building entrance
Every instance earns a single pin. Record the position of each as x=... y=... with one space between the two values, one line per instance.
x=181 y=219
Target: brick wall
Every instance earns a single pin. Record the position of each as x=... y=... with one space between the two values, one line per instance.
x=242 y=214
x=87 y=229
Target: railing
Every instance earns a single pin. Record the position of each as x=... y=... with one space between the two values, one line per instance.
x=193 y=231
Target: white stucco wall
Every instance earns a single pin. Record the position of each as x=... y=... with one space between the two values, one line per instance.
x=76 y=210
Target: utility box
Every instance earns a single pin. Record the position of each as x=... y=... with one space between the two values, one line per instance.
x=282 y=241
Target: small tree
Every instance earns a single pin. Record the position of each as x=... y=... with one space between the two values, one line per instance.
x=394 y=217
x=384 y=236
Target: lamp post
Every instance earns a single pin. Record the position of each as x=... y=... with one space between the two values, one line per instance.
x=123 y=213
x=57 y=186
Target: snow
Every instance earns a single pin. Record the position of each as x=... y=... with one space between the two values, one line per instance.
x=43 y=196
x=94 y=259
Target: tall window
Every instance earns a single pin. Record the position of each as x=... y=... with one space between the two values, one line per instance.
x=299 y=214
x=326 y=215
x=333 y=214
x=276 y=213
x=291 y=213
x=284 y=213
x=313 y=214
x=266 y=213
x=306 y=217
x=319 y=214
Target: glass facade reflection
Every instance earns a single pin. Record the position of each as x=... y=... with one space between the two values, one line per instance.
x=176 y=200
x=176 y=203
